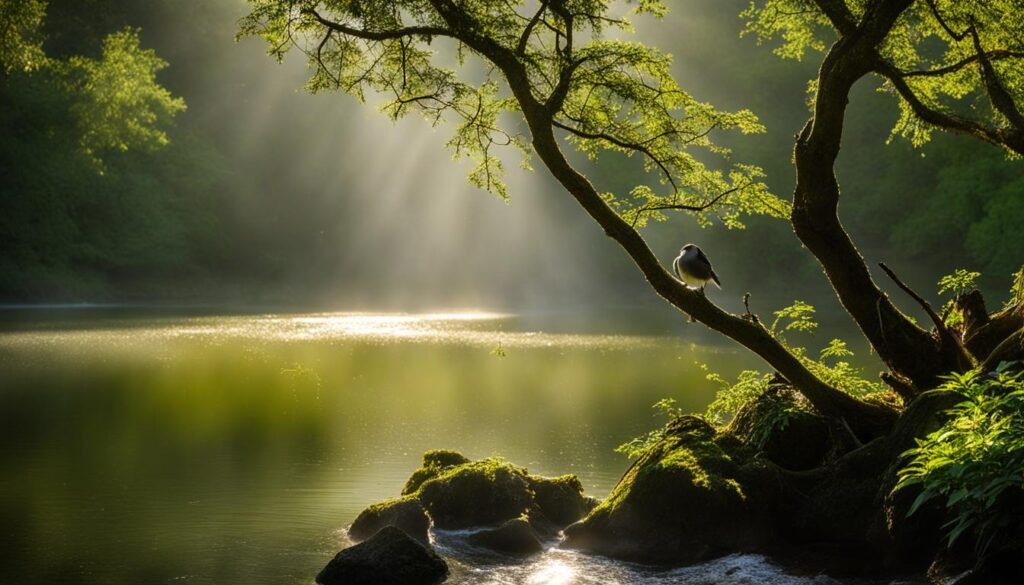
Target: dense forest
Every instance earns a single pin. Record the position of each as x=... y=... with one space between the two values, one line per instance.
x=191 y=200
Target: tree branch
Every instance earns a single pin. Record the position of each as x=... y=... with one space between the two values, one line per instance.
x=1008 y=138
x=384 y=35
x=953 y=68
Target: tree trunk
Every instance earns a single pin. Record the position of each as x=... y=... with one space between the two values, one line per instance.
x=909 y=351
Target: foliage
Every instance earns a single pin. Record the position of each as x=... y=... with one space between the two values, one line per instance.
x=800 y=317
x=731 y=397
x=605 y=94
x=935 y=41
x=957 y=283
x=637 y=446
x=119 y=105
x=21 y=43
x=1017 y=288
x=974 y=464
x=93 y=192
x=828 y=367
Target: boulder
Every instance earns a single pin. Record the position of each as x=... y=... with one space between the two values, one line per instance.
x=435 y=462
x=479 y=493
x=514 y=536
x=405 y=513
x=561 y=499
x=687 y=499
x=391 y=557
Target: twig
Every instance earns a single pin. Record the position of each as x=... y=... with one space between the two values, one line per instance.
x=746 y=304
x=963 y=357
x=939 y=324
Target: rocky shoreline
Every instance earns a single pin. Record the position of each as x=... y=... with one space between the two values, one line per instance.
x=803 y=493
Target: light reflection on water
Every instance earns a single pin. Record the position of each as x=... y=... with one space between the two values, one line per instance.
x=166 y=449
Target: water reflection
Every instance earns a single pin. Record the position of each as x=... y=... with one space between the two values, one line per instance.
x=211 y=449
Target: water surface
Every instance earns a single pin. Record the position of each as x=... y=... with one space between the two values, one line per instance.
x=169 y=448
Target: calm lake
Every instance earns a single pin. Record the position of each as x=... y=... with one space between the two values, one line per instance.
x=151 y=447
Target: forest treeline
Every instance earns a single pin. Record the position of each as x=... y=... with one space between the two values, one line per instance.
x=128 y=169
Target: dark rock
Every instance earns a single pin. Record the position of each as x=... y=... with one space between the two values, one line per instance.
x=480 y=493
x=405 y=513
x=686 y=500
x=1005 y=567
x=541 y=524
x=515 y=537
x=435 y=462
x=391 y=557
x=561 y=499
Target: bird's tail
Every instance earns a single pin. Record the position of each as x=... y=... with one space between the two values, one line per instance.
x=714 y=277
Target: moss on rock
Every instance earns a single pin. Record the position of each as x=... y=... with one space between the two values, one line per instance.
x=405 y=513
x=687 y=499
x=561 y=499
x=435 y=462
x=477 y=493
x=780 y=425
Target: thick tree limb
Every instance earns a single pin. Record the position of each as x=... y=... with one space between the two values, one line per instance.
x=908 y=350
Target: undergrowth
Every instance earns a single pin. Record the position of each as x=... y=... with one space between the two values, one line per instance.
x=974 y=464
x=831 y=366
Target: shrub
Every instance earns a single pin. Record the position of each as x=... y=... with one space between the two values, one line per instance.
x=974 y=462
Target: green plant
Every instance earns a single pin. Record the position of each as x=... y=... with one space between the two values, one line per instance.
x=975 y=462
x=800 y=316
x=1017 y=288
x=957 y=283
x=731 y=397
x=751 y=384
x=636 y=446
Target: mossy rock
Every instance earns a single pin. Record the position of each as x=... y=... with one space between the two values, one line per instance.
x=685 y=500
x=515 y=537
x=405 y=513
x=561 y=499
x=479 y=493
x=784 y=430
x=435 y=462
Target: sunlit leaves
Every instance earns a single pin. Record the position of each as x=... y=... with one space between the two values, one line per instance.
x=959 y=282
x=624 y=99
x=974 y=464
x=20 y=36
x=799 y=24
x=119 y=104
x=604 y=93
x=932 y=48
x=797 y=317
x=635 y=447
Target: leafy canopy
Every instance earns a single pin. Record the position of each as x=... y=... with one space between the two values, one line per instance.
x=940 y=57
x=120 y=106
x=606 y=94
x=21 y=46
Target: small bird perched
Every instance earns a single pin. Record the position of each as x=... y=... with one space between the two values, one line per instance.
x=693 y=268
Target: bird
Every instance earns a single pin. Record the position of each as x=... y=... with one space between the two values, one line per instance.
x=693 y=268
